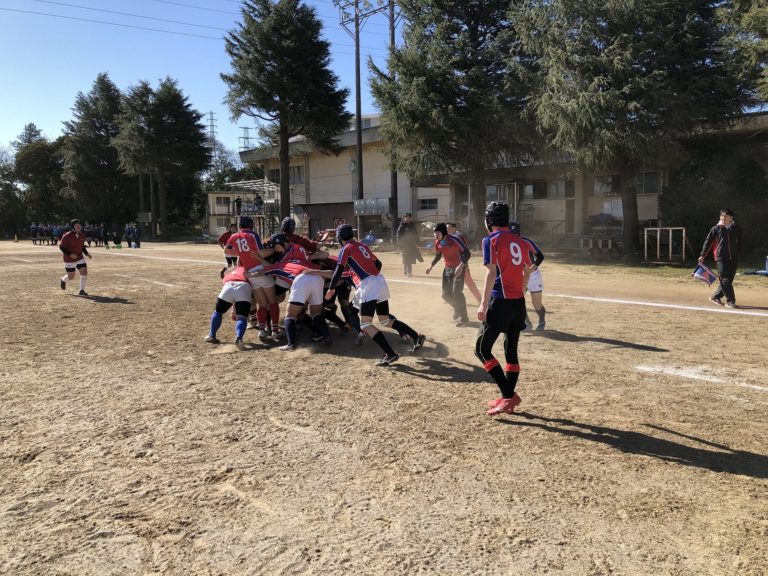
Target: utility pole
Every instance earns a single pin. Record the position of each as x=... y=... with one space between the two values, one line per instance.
x=353 y=13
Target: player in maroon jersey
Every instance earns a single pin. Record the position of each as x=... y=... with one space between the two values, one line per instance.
x=73 y=247
x=372 y=294
x=288 y=229
x=237 y=291
x=228 y=254
x=456 y=255
x=502 y=308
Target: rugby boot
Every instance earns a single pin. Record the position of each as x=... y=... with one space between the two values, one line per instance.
x=388 y=359
x=503 y=405
x=420 y=339
x=212 y=339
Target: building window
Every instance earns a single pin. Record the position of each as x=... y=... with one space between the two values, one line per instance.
x=606 y=186
x=296 y=175
x=647 y=183
x=556 y=190
x=496 y=193
x=536 y=190
x=427 y=203
x=222 y=222
x=222 y=200
x=274 y=175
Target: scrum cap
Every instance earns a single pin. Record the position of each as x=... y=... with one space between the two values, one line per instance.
x=497 y=214
x=288 y=225
x=442 y=228
x=246 y=222
x=345 y=232
x=514 y=227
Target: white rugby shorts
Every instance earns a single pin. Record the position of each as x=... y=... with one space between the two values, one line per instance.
x=234 y=291
x=307 y=289
x=371 y=288
x=266 y=281
x=535 y=282
x=72 y=266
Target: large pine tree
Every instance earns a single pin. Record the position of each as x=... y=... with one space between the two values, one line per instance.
x=620 y=81
x=91 y=164
x=448 y=103
x=281 y=75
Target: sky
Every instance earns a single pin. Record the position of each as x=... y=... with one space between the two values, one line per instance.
x=51 y=51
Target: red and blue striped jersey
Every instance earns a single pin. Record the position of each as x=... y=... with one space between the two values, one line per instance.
x=510 y=254
x=245 y=244
x=294 y=252
x=453 y=250
x=359 y=258
x=285 y=271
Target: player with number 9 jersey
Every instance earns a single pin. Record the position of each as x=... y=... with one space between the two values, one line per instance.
x=510 y=254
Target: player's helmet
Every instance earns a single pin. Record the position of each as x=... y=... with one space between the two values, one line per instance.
x=246 y=222
x=277 y=239
x=514 y=227
x=288 y=225
x=497 y=214
x=442 y=228
x=73 y=222
x=345 y=232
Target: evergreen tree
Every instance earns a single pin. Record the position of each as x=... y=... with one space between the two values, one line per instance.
x=30 y=134
x=620 y=81
x=162 y=134
x=91 y=164
x=38 y=170
x=12 y=210
x=448 y=103
x=281 y=74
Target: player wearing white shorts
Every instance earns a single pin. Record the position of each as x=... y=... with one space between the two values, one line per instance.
x=535 y=282
x=237 y=291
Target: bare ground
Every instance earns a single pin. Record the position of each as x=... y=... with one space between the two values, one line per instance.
x=129 y=446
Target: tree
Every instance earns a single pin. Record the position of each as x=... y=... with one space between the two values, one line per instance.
x=619 y=82
x=30 y=134
x=448 y=104
x=226 y=167
x=281 y=74
x=38 y=170
x=748 y=35
x=91 y=163
x=12 y=210
x=162 y=134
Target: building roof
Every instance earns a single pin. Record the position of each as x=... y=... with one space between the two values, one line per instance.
x=264 y=187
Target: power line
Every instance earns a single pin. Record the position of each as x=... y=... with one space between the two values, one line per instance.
x=196 y=7
x=111 y=23
x=131 y=15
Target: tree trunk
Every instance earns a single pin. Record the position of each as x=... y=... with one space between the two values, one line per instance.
x=163 y=195
x=630 y=237
x=285 y=183
x=152 y=205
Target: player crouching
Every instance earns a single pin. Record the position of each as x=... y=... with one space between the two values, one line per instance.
x=237 y=291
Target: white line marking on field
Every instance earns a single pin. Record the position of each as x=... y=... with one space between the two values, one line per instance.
x=551 y=294
x=661 y=305
x=695 y=373
x=23 y=260
x=145 y=280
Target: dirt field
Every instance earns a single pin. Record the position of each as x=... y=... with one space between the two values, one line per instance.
x=130 y=446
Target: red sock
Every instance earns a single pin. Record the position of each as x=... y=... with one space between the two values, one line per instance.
x=274 y=314
x=261 y=314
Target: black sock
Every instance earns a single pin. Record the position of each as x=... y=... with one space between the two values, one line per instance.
x=381 y=341
x=403 y=328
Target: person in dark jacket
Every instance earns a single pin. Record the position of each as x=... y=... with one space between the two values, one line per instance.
x=724 y=241
x=408 y=241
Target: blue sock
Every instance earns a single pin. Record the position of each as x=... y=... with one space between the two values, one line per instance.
x=290 y=330
x=240 y=327
x=215 y=323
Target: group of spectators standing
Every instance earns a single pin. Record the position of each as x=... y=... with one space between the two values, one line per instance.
x=96 y=234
